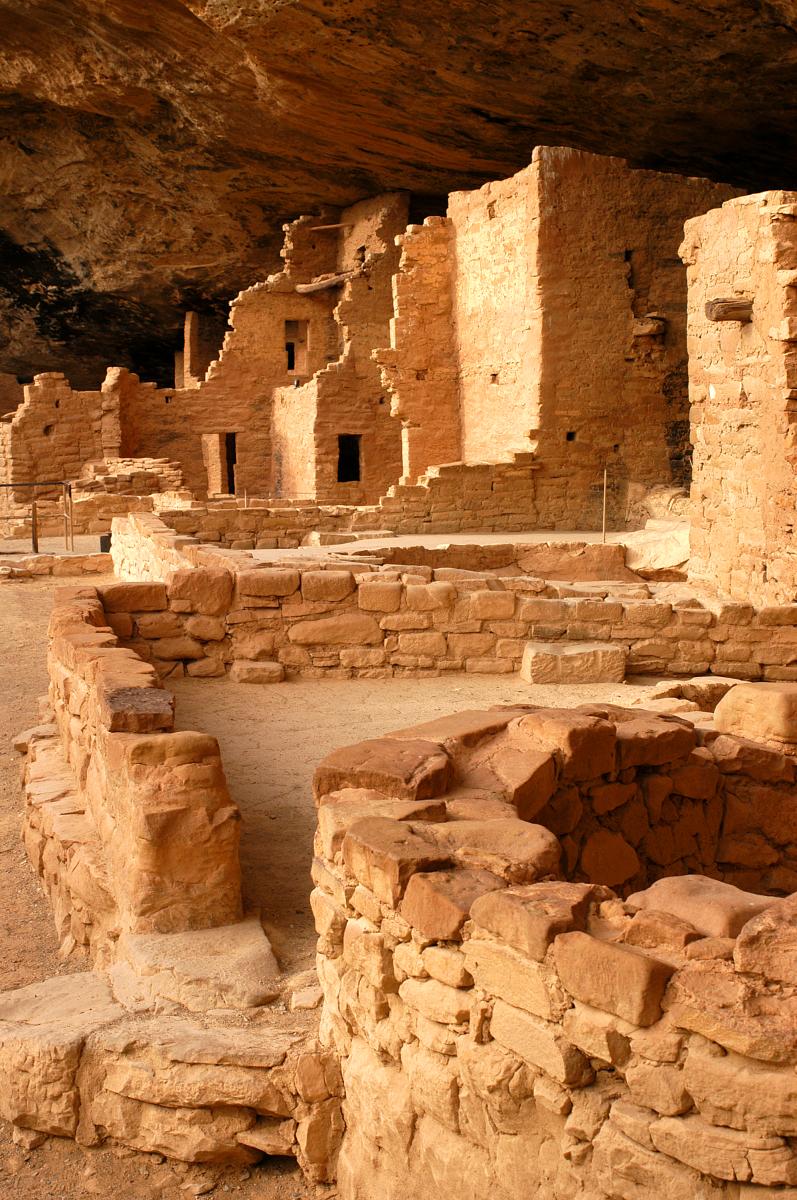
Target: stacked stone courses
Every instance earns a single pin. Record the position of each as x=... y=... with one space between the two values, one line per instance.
x=507 y=1023
x=350 y=618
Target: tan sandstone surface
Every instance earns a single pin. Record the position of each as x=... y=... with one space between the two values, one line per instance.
x=269 y=758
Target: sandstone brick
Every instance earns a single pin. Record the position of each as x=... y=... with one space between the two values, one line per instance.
x=713 y=908
x=584 y=746
x=205 y=589
x=383 y=854
x=501 y=971
x=653 y=741
x=268 y=581
x=491 y=605
x=612 y=977
x=761 y=711
x=607 y=858
x=133 y=597
x=405 y=769
x=345 y=629
x=438 y=905
x=436 y=1001
x=378 y=596
x=326 y=585
x=514 y=850
x=539 y=1043
x=529 y=917
x=338 y=811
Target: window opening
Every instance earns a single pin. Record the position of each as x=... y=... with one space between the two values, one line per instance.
x=296 y=347
x=348 y=458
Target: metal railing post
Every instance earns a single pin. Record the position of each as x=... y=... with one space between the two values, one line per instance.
x=34 y=533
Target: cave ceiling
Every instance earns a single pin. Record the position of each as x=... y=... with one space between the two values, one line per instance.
x=151 y=149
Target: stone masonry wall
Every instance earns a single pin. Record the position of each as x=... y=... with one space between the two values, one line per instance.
x=352 y=618
x=421 y=359
x=564 y=310
x=128 y=822
x=507 y=1024
x=50 y=436
x=742 y=379
x=497 y=314
x=612 y=354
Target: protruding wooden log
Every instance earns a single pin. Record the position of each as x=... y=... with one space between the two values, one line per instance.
x=732 y=308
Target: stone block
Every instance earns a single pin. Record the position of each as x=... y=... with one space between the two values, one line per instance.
x=379 y=596
x=513 y=850
x=764 y=712
x=713 y=908
x=491 y=605
x=573 y=662
x=767 y=944
x=438 y=904
x=383 y=855
x=437 y=1001
x=540 y=1044
x=268 y=581
x=653 y=741
x=584 y=746
x=242 y=671
x=345 y=629
x=612 y=977
x=404 y=769
x=522 y=982
x=608 y=858
x=133 y=597
x=204 y=590
x=529 y=917
x=340 y=810
x=327 y=585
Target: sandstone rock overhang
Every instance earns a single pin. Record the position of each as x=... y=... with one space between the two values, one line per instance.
x=130 y=137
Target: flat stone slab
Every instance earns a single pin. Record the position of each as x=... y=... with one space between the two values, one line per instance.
x=573 y=662
x=230 y=966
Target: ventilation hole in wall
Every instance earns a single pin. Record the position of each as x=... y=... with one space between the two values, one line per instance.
x=494 y=377
x=616 y=447
x=491 y=210
x=420 y=374
x=167 y=399
x=570 y=436
x=48 y=429
x=381 y=399
x=57 y=403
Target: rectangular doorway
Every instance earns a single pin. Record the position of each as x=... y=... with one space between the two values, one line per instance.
x=348 y=458
x=230 y=458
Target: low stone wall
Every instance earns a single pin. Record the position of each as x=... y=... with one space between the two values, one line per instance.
x=354 y=617
x=128 y=822
x=172 y=1043
x=447 y=499
x=507 y=1024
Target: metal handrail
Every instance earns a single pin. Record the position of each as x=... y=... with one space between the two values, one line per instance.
x=69 y=527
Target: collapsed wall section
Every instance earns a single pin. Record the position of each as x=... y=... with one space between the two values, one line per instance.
x=743 y=385
x=506 y=1023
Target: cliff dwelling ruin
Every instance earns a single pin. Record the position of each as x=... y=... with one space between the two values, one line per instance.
x=398 y=601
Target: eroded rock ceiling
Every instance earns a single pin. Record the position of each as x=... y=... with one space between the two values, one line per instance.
x=150 y=149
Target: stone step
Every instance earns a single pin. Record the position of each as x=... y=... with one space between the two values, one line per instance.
x=573 y=662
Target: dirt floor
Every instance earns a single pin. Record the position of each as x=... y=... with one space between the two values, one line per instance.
x=271 y=740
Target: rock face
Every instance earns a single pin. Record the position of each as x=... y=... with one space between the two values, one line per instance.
x=133 y=135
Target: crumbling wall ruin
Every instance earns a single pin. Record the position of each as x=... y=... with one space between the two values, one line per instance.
x=564 y=314
x=505 y=1029
x=742 y=388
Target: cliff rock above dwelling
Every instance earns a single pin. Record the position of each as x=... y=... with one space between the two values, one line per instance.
x=149 y=153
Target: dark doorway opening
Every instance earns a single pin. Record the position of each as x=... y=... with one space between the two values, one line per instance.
x=348 y=458
x=230 y=455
